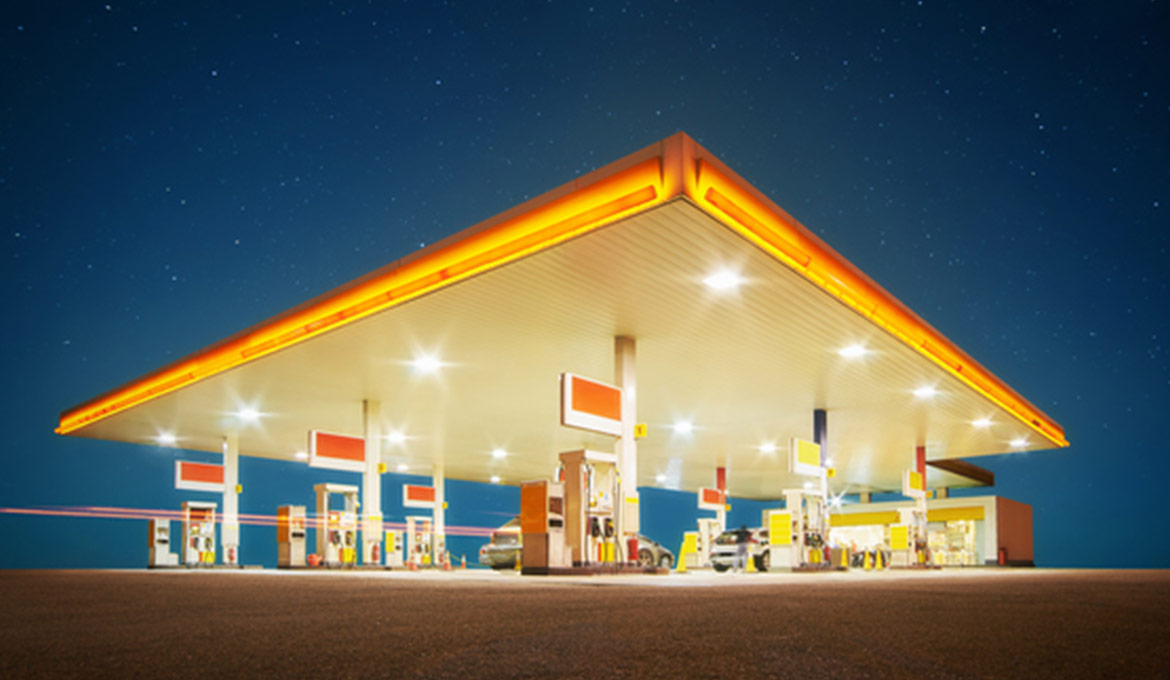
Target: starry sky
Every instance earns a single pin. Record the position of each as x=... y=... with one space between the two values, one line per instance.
x=171 y=173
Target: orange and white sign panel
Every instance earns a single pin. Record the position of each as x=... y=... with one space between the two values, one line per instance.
x=590 y=405
x=415 y=496
x=336 y=451
x=913 y=484
x=711 y=499
x=198 y=476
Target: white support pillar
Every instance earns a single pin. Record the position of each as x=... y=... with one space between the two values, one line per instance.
x=371 y=507
x=230 y=527
x=439 y=481
x=626 y=449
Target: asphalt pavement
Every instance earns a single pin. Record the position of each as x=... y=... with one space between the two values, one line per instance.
x=978 y=623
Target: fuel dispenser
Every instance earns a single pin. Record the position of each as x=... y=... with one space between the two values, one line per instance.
x=420 y=537
x=542 y=524
x=709 y=530
x=908 y=538
x=393 y=548
x=591 y=485
x=198 y=533
x=159 y=542
x=337 y=529
x=290 y=536
x=798 y=534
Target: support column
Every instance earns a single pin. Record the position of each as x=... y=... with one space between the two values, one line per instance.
x=439 y=481
x=371 y=507
x=821 y=432
x=230 y=528
x=626 y=448
x=721 y=485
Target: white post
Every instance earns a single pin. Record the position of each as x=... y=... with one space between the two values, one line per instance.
x=439 y=514
x=230 y=529
x=371 y=508
x=626 y=377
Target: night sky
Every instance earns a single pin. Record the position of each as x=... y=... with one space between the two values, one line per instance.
x=173 y=172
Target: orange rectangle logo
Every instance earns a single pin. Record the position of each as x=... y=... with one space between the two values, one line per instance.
x=416 y=496
x=591 y=405
x=192 y=476
x=337 y=451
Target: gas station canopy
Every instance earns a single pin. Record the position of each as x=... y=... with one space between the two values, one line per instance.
x=745 y=322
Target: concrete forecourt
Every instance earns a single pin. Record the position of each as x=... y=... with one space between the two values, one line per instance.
x=971 y=623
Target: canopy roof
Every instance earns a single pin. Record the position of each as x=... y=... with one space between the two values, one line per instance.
x=507 y=305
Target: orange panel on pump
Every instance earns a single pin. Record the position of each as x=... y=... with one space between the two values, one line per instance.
x=422 y=494
x=597 y=399
x=533 y=508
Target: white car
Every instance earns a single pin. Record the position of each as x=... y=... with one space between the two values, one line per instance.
x=723 y=552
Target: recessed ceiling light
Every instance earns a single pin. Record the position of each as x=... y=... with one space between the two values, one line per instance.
x=495 y=479
x=499 y=453
x=426 y=364
x=248 y=414
x=402 y=467
x=1019 y=442
x=661 y=479
x=808 y=485
x=683 y=427
x=725 y=279
x=166 y=439
x=396 y=437
x=767 y=447
x=828 y=462
x=925 y=392
x=982 y=422
x=301 y=455
x=852 y=351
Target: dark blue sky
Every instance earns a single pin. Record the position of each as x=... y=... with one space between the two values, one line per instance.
x=173 y=172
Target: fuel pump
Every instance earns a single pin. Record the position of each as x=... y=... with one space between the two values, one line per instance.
x=290 y=536
x=542 y=525
x=337 y=529
x=198 y=533
x=159 y=542
x=808 y=521
x=393 y=548
x=420 y=546
x=709 y=530
x=590 y=491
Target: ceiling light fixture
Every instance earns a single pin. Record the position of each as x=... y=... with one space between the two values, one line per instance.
x=301 y=455
x=725 y=279
x=852 y=351
x=396 y=437
x=683 y=427
x=166 y=439
x=426 y=364
x=925 y=392
x=402 y=467
x=982 y=422
x=248 y=414
x=661 y=479
x=495 y=479
x=767 y=447
x=1019 y=442
x=499 y=453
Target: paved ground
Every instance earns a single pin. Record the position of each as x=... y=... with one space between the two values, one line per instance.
x=966 y=624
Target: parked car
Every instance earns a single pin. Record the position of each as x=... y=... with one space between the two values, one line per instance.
x=651 y=553
x=723 y=552
x=506 y=543
x=503 y=549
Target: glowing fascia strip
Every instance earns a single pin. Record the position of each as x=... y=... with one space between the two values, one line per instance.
x=777 y=234
x=585 y=209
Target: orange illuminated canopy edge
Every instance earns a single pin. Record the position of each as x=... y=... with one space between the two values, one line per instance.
x=675 y=168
